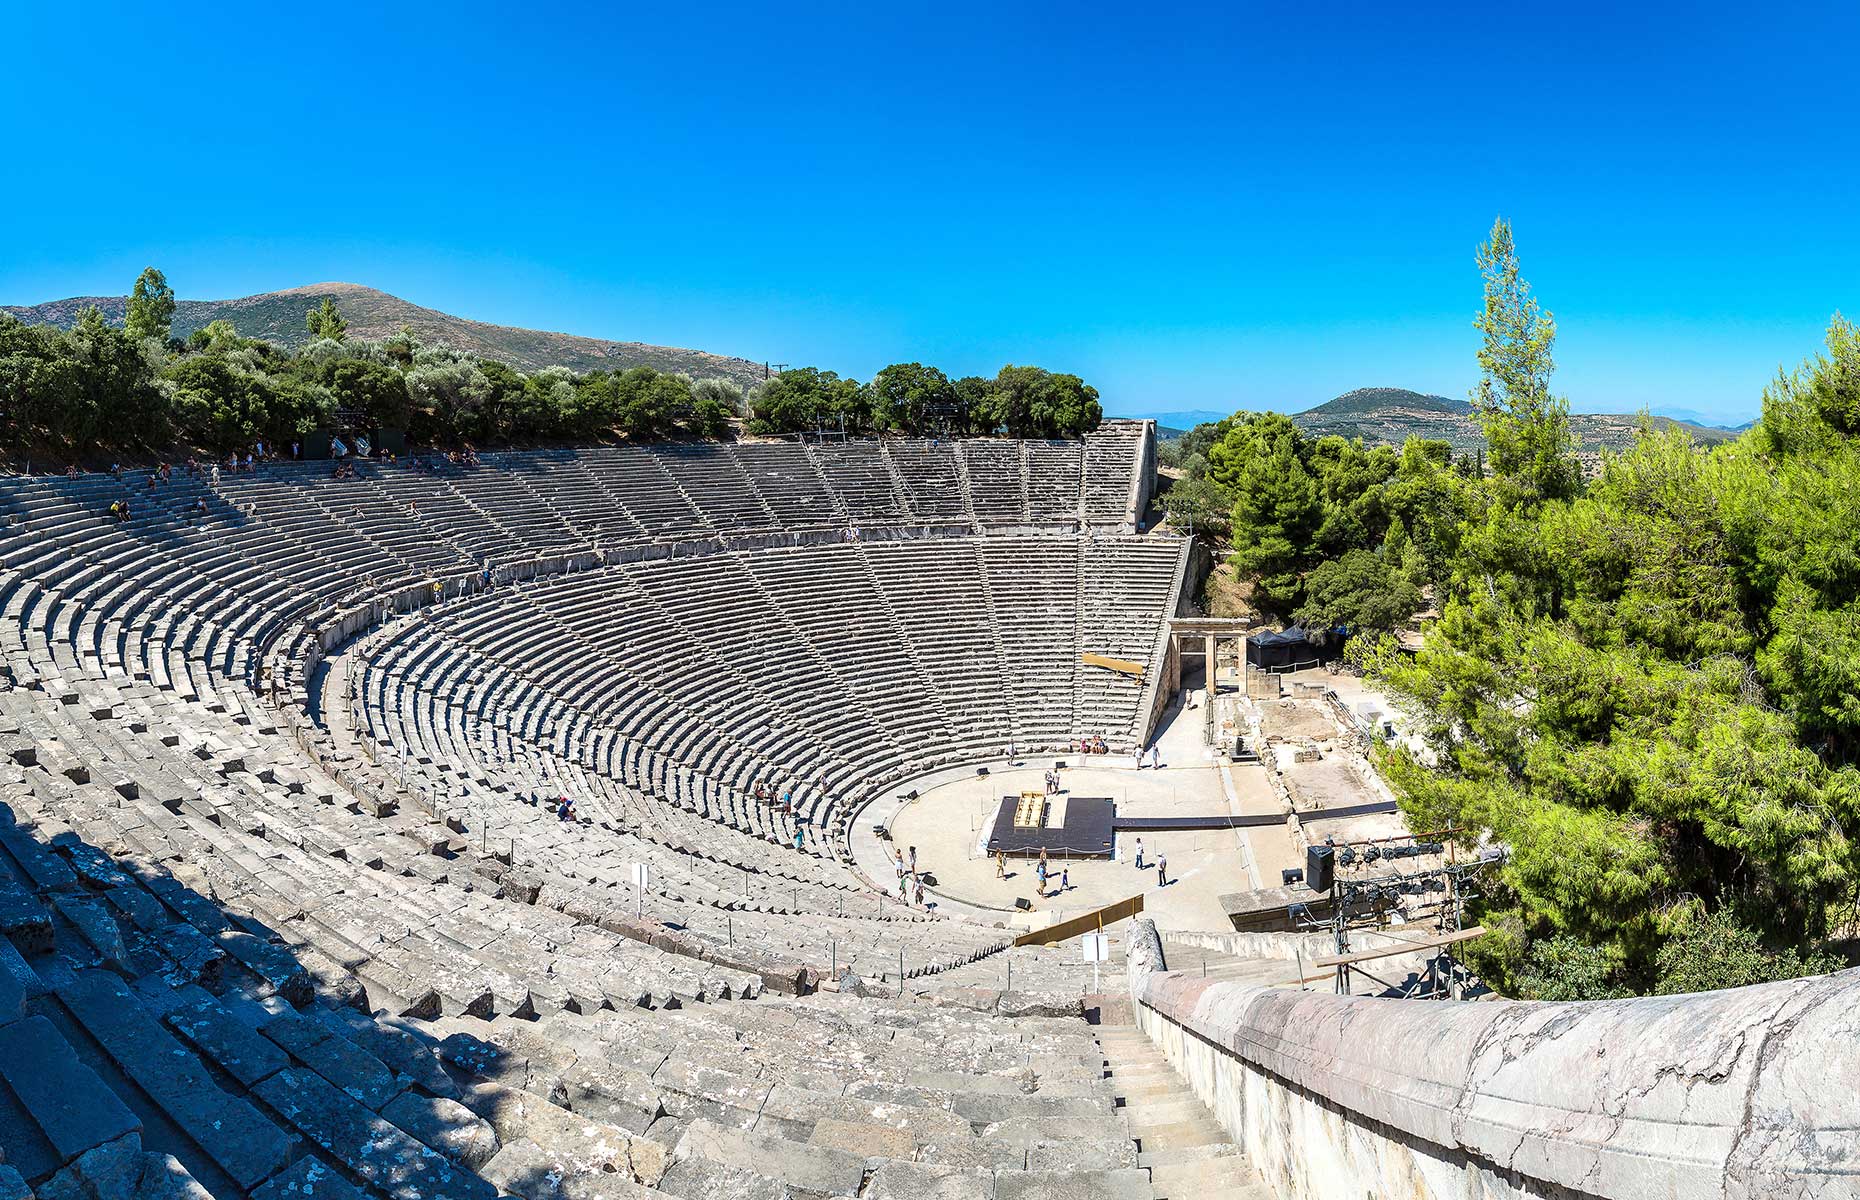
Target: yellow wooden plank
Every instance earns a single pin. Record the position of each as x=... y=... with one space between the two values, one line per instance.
x=1122 y=665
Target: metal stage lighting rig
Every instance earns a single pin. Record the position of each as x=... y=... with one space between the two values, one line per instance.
x=1357 y=877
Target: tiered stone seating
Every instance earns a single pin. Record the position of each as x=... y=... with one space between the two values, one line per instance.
x=156 y=1043
x=823 y=670
x=1112 y=470
x=283 y=913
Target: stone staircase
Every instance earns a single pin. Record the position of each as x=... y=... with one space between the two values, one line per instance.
x=1188 y=1153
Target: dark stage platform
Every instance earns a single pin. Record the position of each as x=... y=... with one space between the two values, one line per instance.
x=1069 y=826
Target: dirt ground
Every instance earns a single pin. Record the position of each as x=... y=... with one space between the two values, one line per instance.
x=1298 y=719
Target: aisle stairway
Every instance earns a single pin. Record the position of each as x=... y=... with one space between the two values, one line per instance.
x=1188 y=1153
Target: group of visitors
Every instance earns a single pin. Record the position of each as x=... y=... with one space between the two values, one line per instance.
x=1162 y=865
x=1042 y=873
x=1093 y=745
x=1052 y=782
x=1151 y=758
x=766 y=794
x=910 y=883
x=565 y=808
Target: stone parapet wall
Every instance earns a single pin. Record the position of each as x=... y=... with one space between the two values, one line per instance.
x=1742 y=1093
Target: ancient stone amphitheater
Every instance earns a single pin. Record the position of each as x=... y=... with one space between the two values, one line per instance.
x=288 y=910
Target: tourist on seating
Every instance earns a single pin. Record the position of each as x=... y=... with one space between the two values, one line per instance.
x=565 y=810
x=71 y=472
x=800 y=836
x=1139 y=854
x=1162 y=870
x=296 y=451
x=200 y=507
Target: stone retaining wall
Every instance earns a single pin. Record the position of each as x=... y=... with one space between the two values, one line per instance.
x=1742 y=1093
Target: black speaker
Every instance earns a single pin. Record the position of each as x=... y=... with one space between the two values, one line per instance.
x=1320 y=862
x=1022 y=902
x=981 y=770
x=1291 y=875
x=1059 y=764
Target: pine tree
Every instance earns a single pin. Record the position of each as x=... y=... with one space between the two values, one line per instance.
x=326 y=322
x=1526 y=426
x=151 y=306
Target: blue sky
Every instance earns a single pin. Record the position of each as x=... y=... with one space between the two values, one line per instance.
x=1195 y=208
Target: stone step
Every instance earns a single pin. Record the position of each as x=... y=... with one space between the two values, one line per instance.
x=1177 y=1156
x=808 y=1168
x=1162 y=1135
x=70 y=1109
x=1162 y=1110
x=372 y=1147
x=307 y=1179
x=240 y=1141
x=1226 y=1176
x=1125 y=1184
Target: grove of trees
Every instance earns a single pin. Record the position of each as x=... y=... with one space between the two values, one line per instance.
x=1028 y=402
x=97 y=388
x=1644 y=686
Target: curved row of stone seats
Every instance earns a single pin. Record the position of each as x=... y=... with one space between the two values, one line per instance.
x=960 y=953
x=419 y=695
x=148 y=1056
x=1113 y=459
x=833 y=1096
x=823 y=920
x=382 y=896
x=585 y=868
x=147 y=1050
x=271 y=546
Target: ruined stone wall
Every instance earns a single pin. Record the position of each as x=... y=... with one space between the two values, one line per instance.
x=1742 y=1093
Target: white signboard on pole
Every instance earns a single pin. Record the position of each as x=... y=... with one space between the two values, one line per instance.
x=642 y=875
x=1097 y=948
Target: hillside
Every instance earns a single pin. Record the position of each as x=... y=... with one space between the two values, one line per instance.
x=278 y=317
x=1389 y=416
x=1382 y=400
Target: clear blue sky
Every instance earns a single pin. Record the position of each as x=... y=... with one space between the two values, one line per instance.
x=1194 y=208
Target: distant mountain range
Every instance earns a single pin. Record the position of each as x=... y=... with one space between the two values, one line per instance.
x=278 y=317
x=1389 y=416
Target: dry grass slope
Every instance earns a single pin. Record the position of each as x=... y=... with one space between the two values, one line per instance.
x=278 y=317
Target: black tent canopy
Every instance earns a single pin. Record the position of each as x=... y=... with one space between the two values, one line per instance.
x=1287 y=648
